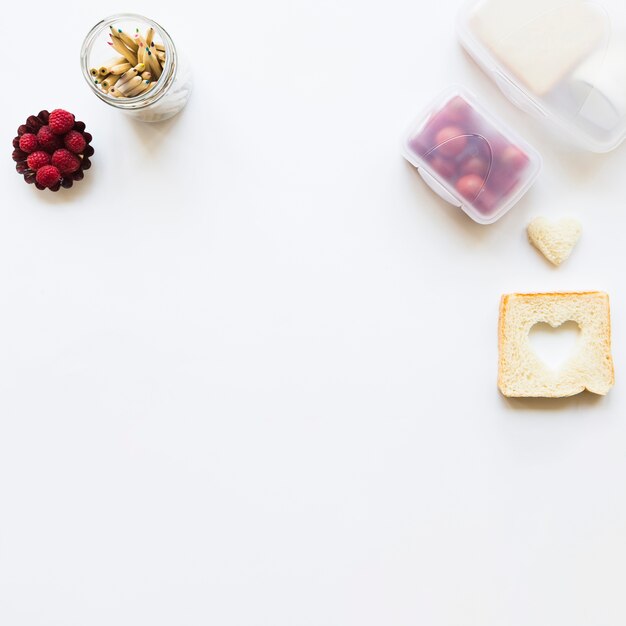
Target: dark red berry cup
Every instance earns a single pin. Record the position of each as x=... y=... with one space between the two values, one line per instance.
x=52 y=150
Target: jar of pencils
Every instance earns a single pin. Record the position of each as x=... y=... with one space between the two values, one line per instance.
x=132 y=64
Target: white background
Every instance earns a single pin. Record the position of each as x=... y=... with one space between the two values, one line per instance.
x=248 y=365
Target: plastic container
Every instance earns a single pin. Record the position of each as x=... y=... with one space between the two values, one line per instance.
x=169 y=92
x=561 y=60
x=470 y=158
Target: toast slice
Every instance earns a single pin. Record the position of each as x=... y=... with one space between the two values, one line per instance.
x=521 y=374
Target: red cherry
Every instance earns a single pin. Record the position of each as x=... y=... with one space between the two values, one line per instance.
x=475 y=165
x=444 y=167
x=469 y=186
x=451 y=141
x=513 y=158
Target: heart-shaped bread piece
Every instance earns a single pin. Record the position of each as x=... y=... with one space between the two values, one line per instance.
x=555 y=240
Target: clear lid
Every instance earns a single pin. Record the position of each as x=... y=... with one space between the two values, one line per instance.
x=562 y=60
x=470 y=158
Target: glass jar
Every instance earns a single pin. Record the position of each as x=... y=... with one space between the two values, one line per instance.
x=169 y=93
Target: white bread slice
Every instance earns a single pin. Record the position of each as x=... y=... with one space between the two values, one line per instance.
x=555 y=240
x=522 y=375
x=539 y=41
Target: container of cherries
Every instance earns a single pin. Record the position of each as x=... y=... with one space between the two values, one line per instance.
x=470 y=158
x=52 y=150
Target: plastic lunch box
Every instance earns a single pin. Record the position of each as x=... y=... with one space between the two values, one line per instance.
x=561 y=60
x=469 y=157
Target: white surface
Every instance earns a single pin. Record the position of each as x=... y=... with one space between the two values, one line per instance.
x=247 y=366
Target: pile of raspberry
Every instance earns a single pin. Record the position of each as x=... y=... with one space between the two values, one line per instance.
x=52 y=150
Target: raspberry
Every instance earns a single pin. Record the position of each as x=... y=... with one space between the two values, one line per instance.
x=37 y=160
x=65 y=161
x=48 y=176
x=74 y=142
x=61 y=121
x=28 y=143
x=52 y=150
x=47 y=139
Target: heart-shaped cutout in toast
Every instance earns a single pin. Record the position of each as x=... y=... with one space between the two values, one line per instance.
x=554 y=346
x=555 y=240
